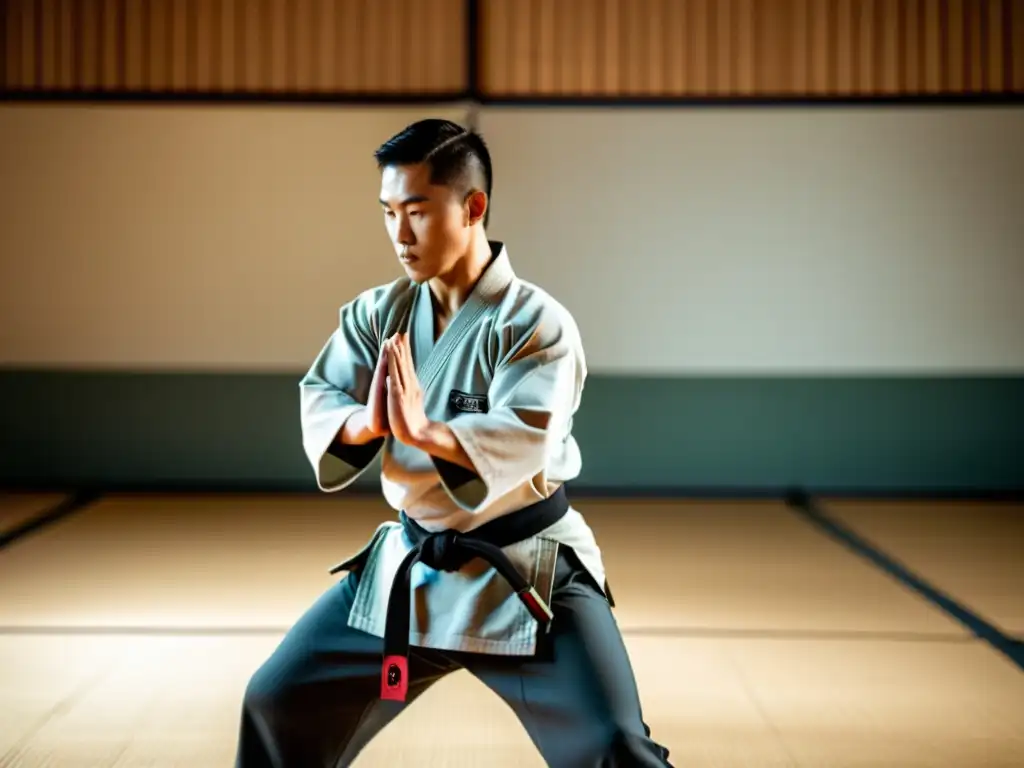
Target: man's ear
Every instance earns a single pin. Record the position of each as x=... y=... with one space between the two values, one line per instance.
x=476 y=206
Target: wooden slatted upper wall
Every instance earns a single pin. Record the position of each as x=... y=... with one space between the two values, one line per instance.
x=252 y=46
x=681 y=48
x=526 y=48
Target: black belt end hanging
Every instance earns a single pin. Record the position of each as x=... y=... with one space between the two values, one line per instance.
x=394 y=673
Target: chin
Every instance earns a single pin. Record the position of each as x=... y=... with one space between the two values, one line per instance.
x=416 y=272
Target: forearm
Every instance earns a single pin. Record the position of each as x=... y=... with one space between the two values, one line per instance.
x=438 y=439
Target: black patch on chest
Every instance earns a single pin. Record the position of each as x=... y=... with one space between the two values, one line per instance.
x=467 y=403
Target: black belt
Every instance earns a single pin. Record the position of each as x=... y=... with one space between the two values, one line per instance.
x=450 y=550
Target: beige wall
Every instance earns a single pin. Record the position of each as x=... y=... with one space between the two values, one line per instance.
x=177 y=237
x=731 y=239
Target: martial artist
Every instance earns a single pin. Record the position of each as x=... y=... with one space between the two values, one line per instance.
x=465 y=379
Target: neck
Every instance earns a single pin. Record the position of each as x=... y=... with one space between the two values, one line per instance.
x=451 y=289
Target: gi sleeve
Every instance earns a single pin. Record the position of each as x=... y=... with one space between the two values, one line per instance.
x=336 y=386
x=535 y=390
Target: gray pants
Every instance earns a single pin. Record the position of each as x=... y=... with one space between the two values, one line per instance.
x=315 y=702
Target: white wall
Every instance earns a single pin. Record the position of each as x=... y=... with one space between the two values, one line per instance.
x=773 y=240
x=720 y=240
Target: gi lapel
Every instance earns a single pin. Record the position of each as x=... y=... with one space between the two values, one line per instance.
x=421 y=329
x=485 y=295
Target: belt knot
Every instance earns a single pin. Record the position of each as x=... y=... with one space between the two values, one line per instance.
x=442 y=551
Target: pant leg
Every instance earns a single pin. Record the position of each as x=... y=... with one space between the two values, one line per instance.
x=316 y=701
x=577 y=698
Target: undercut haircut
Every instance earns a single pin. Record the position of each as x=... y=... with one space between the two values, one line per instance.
x=457 y=157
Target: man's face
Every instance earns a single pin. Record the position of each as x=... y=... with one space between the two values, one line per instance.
x=429 y=225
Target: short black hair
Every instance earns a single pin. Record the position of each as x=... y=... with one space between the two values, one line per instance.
x=457 y=156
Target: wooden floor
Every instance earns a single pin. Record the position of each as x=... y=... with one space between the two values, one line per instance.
x=129 y=629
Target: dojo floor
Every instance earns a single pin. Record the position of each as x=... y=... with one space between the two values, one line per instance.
x=128 y=630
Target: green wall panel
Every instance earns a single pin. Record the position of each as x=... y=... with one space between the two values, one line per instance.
x=728 y=435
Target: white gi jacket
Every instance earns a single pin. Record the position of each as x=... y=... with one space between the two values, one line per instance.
x=510 y=348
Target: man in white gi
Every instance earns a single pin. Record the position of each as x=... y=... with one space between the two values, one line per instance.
x=467 y=378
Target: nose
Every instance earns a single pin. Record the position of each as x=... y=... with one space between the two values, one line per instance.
x=404 y=235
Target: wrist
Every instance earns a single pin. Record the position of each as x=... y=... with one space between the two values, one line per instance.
x=429 y=437
x=356 y=429
x=437 y=439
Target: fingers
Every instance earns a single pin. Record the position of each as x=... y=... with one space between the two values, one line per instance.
x=394 y=367
x=380 y=375
x=400 y=365
x=402 y=389
x=410 y=367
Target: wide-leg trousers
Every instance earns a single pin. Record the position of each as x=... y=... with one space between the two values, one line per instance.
x=314 y=703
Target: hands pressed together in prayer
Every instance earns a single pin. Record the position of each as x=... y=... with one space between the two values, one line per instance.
x=399 y=401
x=395 y=407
